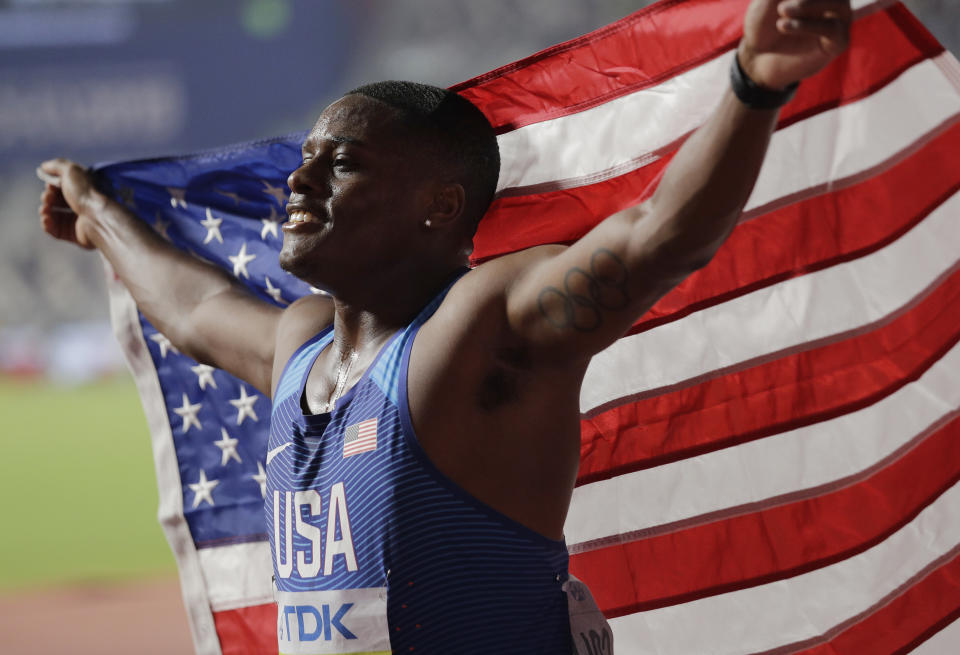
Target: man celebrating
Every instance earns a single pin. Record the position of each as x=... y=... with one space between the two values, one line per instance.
x=425 y=430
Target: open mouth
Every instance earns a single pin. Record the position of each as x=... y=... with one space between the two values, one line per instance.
x=303 y=217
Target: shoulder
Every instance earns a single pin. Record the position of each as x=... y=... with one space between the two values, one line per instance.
x=490 y=281
x=516 y=263
x=473 y=315
x=301 y=321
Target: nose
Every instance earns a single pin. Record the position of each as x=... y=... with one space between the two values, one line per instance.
x=297 y=180
x=307 y=178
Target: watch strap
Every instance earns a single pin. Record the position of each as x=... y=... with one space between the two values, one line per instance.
x=752 y=94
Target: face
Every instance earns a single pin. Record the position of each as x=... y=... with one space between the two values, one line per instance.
x=358 y=197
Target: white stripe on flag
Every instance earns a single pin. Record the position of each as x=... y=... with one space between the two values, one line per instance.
x=857 y=5
x=789 y=314
x=238 y=575
x=806 y=457
x=591 y=145
x=801 y=607
x=594 y=141
x=854 y=138
x=129 y=332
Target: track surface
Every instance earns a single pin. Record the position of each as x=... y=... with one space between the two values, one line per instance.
x=146 y=618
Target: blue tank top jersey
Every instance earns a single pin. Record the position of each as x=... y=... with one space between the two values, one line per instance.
x=376 y=551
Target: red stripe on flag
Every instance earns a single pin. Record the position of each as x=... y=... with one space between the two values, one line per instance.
x=593 y=69
x=530 y=90
x=776 y=542
x=248 y=630
x=816 y=233
x=904 y=42
x=563 y=216
x=783 y=394
x=517 y=222
x=897 y=624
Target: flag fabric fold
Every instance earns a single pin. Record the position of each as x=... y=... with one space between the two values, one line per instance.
x=770 y=456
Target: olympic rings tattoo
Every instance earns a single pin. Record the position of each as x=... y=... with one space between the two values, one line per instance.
x=584 y=294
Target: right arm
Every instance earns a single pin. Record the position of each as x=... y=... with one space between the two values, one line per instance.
x=207 y=314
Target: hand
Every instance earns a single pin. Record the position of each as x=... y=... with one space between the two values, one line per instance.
x=785 y=41
x=68 y=202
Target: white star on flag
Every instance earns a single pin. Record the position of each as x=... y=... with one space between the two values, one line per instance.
x=277 y=192
x=274 y=291
x=270 y=225
x=177 y=197
x=188 y=412
x=164 y=344
x=161 y=225
x=202 y=488
x=228 y=448
x=213 y=227
x=260 y=477
x=204 y=375
x=244 y=405
x=240 y=261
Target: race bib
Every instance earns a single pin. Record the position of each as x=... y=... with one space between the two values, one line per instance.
x=589 y=628
x=342 y=622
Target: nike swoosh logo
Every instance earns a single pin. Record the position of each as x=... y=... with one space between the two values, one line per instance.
x=276 y=451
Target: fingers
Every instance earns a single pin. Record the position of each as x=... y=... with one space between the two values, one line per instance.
x=832 y=9
x=52 y=201
x=52 y=206
x=55 y=171
x=52 y=221
x=53 y=225
x=827 y=19
x=51 y=170
x=49 y=178
x=56 y=217
x=834 y=35
x=74 y=182
x=57 y=165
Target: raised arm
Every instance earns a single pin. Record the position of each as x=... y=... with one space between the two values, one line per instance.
x=573 y=304
x=205 y=313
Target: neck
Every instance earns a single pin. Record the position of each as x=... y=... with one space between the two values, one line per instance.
x=365 y=317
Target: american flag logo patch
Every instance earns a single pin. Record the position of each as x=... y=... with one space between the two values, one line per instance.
x=360 y=437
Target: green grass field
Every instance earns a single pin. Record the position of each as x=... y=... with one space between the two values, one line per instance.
x=77 y=485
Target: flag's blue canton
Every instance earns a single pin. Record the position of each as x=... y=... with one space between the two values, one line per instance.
x=225 y=206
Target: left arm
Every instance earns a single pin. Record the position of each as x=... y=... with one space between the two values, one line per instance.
x=572 y=305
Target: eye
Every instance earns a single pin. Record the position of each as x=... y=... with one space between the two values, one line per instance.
x=342 y=162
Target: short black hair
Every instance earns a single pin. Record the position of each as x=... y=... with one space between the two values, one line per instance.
x=463 y=135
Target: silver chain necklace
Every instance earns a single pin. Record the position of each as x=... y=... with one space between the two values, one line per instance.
x=342 y=372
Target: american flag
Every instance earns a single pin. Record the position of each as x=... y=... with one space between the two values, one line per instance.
x=360 y=437
x=770 y=456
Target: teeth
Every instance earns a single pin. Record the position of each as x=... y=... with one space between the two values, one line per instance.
x=303 y=217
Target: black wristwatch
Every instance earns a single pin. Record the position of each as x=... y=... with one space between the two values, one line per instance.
x=752 y=94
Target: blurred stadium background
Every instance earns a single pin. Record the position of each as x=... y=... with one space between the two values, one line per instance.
x=121 y=79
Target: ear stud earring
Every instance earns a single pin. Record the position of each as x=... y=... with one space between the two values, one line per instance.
x=427 y=223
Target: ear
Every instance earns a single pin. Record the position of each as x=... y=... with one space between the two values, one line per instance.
x=446 y=207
